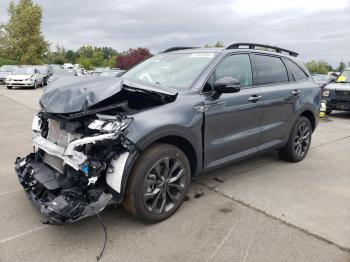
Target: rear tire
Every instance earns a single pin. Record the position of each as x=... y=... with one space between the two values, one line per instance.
x=9 y=87
x=328 y=111
x=158 y=183
x=299 y=141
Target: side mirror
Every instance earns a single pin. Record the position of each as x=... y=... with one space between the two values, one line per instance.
x=226 y=85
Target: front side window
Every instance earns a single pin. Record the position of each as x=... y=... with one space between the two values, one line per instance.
x=236 y=66
x=172 y=69
x=295 y=71
x=270 y=70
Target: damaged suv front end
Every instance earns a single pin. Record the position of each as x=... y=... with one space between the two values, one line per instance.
x=81 y=147
x=63 y=175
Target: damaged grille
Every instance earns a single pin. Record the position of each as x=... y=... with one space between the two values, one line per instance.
x=59 y=136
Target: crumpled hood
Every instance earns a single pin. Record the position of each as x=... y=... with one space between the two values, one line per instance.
x=338 y=86
x=75 y=94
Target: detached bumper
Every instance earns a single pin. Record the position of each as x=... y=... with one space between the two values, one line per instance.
x=58 y=196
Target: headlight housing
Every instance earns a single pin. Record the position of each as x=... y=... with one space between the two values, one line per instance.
x=325 y=93
x=36 y=123
x=109 y=126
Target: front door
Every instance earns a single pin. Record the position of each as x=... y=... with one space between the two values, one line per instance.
x=232 y=122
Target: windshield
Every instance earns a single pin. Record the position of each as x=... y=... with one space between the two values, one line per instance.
x=171 y=70
x=7 y=68
x=344 y=77
x=24 y=71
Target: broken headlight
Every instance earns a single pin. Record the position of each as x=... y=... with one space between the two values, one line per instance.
x=109 y=126
x=36 y=124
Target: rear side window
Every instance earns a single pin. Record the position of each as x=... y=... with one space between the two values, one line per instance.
x=295 y=71
x=270 y=70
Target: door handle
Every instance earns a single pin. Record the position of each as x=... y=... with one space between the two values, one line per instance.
x=296 y=92
x=254 y=98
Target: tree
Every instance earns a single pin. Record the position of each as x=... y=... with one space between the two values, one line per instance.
x=132 y=57
x=85 y=62
x=341 y=66
x=71 y=56
x=217 y=44
x=318 y=67
x=21 y=36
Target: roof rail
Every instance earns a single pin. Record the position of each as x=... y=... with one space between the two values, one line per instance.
x=253 y=46
x=176 y=48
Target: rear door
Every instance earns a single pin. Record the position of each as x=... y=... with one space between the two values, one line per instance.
x=232 y=122
x=279 y=99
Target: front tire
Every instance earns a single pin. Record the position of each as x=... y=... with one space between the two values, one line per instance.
x=328 y=111
x=35 y=86
x=299 y=141
x=158 y=183
x=9 y=87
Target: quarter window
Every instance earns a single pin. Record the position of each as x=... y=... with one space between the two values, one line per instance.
x=295 y=71
x=270 y=70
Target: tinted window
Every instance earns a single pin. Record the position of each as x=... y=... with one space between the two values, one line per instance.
x=295 y=71
x=236 y=66
x=270 y=70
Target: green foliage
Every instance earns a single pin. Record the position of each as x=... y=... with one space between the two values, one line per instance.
x=112 y=62
x=4 y=61
x=318 y=67
x=21 y=37
x=85 y=62
x=341 y=67
x=71 y=56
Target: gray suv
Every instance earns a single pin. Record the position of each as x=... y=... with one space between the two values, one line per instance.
x=137 y=140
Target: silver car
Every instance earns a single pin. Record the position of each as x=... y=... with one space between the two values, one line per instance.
x=25 y=77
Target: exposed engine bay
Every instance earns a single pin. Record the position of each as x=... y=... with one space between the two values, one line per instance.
x=77 y=165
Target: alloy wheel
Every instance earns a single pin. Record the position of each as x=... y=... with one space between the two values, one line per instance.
x=302 y=139
x=164 y=185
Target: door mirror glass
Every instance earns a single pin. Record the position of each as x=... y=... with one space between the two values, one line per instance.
x=227 y=85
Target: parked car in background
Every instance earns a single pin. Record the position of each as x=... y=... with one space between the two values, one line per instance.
x=5 y=71
x=112 y=73
x=25 y=76
x=139 y=139
x=337 y=94
x=323 y=80
x=46 y=71
x=68 y=66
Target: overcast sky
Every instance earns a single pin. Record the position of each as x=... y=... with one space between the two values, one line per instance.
x=317 y=29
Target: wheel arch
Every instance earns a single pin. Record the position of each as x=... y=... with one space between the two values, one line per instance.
x=176 y=140
x=311 y=116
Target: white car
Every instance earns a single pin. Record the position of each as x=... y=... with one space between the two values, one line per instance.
x=25 y=77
